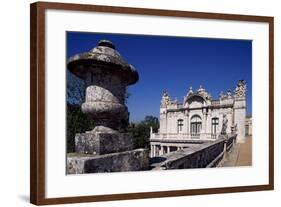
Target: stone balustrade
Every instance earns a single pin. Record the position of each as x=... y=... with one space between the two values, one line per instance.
x=182 y=136
x=208 y=154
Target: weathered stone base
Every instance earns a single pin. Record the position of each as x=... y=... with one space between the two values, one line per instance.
x=134 y=160
x=101 y=141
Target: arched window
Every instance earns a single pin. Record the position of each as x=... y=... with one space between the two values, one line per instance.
x=195 y=125
x=215 y=125
x=180 y=124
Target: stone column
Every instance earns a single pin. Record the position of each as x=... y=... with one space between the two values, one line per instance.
x=203 y=130
x=151 y=150
x=161 y=150
x=187 y=124
x=207 y=123
x=168 y=149
x=156 y=151
x=204 y=119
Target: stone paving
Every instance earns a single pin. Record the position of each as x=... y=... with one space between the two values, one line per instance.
x=241 y=154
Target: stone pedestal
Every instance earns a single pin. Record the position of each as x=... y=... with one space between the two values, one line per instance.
x=106 y=150
x=102 y=140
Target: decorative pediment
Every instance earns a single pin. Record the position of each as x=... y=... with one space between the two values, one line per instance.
x=195 y=101
x=200 y=92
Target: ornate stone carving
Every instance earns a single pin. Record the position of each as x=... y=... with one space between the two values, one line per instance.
x=201 y=89
x=240 y=90
x=229 y=95
x=190 y=91
x=223 y=96
x=234 y=129
x=165 y=99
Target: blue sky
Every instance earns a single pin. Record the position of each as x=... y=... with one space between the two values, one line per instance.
x=174 y=64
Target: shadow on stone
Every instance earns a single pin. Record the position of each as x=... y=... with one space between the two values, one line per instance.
x=157 y=160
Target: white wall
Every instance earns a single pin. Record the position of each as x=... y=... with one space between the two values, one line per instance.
x=14 y=110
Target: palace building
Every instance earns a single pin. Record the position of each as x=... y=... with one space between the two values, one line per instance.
x=199 y=118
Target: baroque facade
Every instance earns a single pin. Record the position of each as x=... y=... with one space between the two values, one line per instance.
x=199 y=118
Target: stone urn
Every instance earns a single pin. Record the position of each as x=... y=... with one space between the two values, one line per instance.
x=106 y=75
x=105 y=148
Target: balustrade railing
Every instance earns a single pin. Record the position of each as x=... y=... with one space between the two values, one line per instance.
x=183 y=136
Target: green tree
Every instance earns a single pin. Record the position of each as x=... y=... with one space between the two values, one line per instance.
x=75 y=90
x=77 y=122
x=141 y=131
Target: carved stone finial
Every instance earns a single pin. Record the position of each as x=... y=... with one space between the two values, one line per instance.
x=222 y=96
x=165 y=99
x=190 y=91
x=201 y=89
x=240 y=90
x=228 y=93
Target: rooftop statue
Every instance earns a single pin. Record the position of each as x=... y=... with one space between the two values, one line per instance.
x=224 y=125
x=228 y=93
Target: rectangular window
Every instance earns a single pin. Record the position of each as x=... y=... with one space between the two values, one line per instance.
x=180 y=125
x=215 y=124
